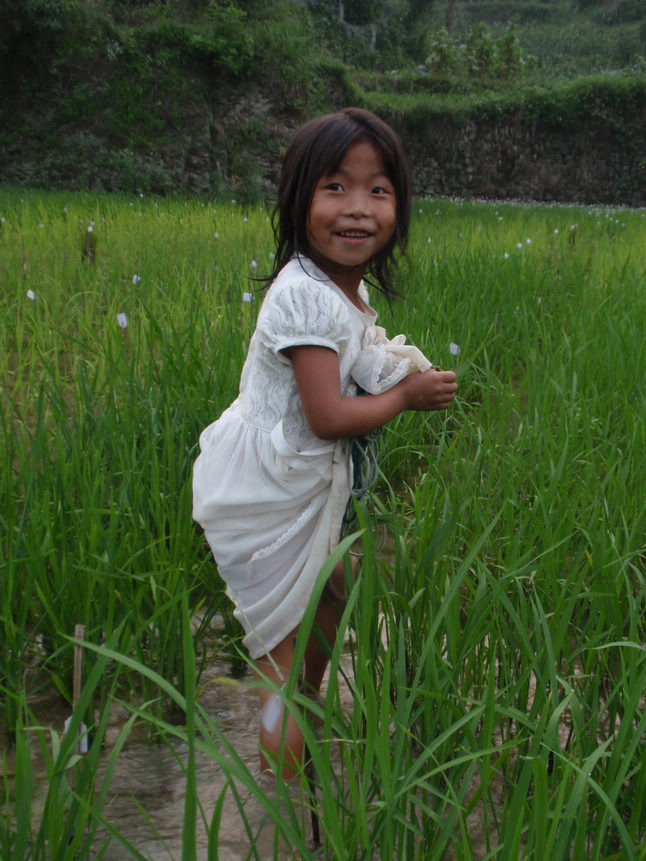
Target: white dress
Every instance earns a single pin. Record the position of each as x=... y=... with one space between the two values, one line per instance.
x=269 y=494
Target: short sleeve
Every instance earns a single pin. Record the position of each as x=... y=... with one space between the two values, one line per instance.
x=302 y=311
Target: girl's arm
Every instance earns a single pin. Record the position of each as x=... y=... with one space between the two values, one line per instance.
x=332 y=416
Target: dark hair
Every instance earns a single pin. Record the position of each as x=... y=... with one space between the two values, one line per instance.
x=318 y=149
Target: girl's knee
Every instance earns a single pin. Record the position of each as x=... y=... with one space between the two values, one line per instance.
x=271 y=712
x=279 y=733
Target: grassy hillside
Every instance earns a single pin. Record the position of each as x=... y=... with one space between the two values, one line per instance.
x=561 y=39
x=201 y=96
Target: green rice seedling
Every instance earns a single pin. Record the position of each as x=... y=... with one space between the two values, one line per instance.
x=199 y=732
x=496 y=642
x=55 y=811
x=89 y=447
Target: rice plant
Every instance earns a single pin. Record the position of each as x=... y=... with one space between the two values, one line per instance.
x=486 y=698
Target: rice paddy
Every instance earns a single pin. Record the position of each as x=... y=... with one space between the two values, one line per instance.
x=497 y=642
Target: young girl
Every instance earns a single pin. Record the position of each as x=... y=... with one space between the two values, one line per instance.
x=274 y=475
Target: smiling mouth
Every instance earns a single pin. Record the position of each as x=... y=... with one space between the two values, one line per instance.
x=354 y=234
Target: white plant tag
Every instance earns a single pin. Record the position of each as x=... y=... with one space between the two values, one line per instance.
x=82 y=746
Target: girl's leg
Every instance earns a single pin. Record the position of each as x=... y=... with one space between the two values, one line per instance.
x=327 y=618
x=277 y=667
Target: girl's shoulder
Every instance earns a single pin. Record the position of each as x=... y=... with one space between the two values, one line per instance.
x=301 y=282
x=305 y=296
x=304 y=305
x=301 y=270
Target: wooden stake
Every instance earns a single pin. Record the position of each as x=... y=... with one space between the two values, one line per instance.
x=77 y=679
x=77 y=684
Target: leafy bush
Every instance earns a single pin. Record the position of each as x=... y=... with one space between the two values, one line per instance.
x=161 y=43
x=32 y=17
x=285 y=53
x=230 y=46
x=509 y=60
x=480 y=50
x=479 y=55
x=445 y=54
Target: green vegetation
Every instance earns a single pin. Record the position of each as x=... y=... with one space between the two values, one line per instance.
x=497 y=642
x=560 y=40
x=250 y=40
x=201 y=95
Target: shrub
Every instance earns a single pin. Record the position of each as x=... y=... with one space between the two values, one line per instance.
x=445 y=54
x=480 y=50
x=509 y=56
x=29 y=34
x=285 y=51
x=230 y=46
x=480 y=55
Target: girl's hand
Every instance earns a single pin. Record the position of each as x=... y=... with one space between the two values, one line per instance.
x=432 y=390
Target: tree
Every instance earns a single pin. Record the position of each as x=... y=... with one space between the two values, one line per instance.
x=20 y=19
x=362 y=12
x=29 y=30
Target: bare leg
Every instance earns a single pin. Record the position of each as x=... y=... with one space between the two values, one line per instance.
x=327 y=618
x=277 y=667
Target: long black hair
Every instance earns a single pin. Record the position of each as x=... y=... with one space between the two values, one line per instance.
x=317 y=150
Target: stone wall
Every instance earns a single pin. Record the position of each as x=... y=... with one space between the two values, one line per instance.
x=530 y=160
x=588 y=148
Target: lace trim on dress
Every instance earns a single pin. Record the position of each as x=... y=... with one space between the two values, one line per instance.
x=285 y=537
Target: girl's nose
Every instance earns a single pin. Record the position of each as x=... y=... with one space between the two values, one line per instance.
x=358 y=204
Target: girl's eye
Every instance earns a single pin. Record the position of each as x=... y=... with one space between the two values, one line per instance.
x=334 y=186
x=379 y=189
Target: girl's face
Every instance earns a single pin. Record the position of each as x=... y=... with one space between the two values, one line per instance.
x=352 y=216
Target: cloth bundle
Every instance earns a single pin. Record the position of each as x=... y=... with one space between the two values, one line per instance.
x=384 y=362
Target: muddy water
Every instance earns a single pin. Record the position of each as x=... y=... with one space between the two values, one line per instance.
x=147 y=788
x=152 y=774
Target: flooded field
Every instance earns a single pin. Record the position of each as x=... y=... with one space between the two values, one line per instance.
x=148 y=785
x=503 y=708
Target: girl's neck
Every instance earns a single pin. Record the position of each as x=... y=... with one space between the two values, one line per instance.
x=353 y=296
x=347 y=279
